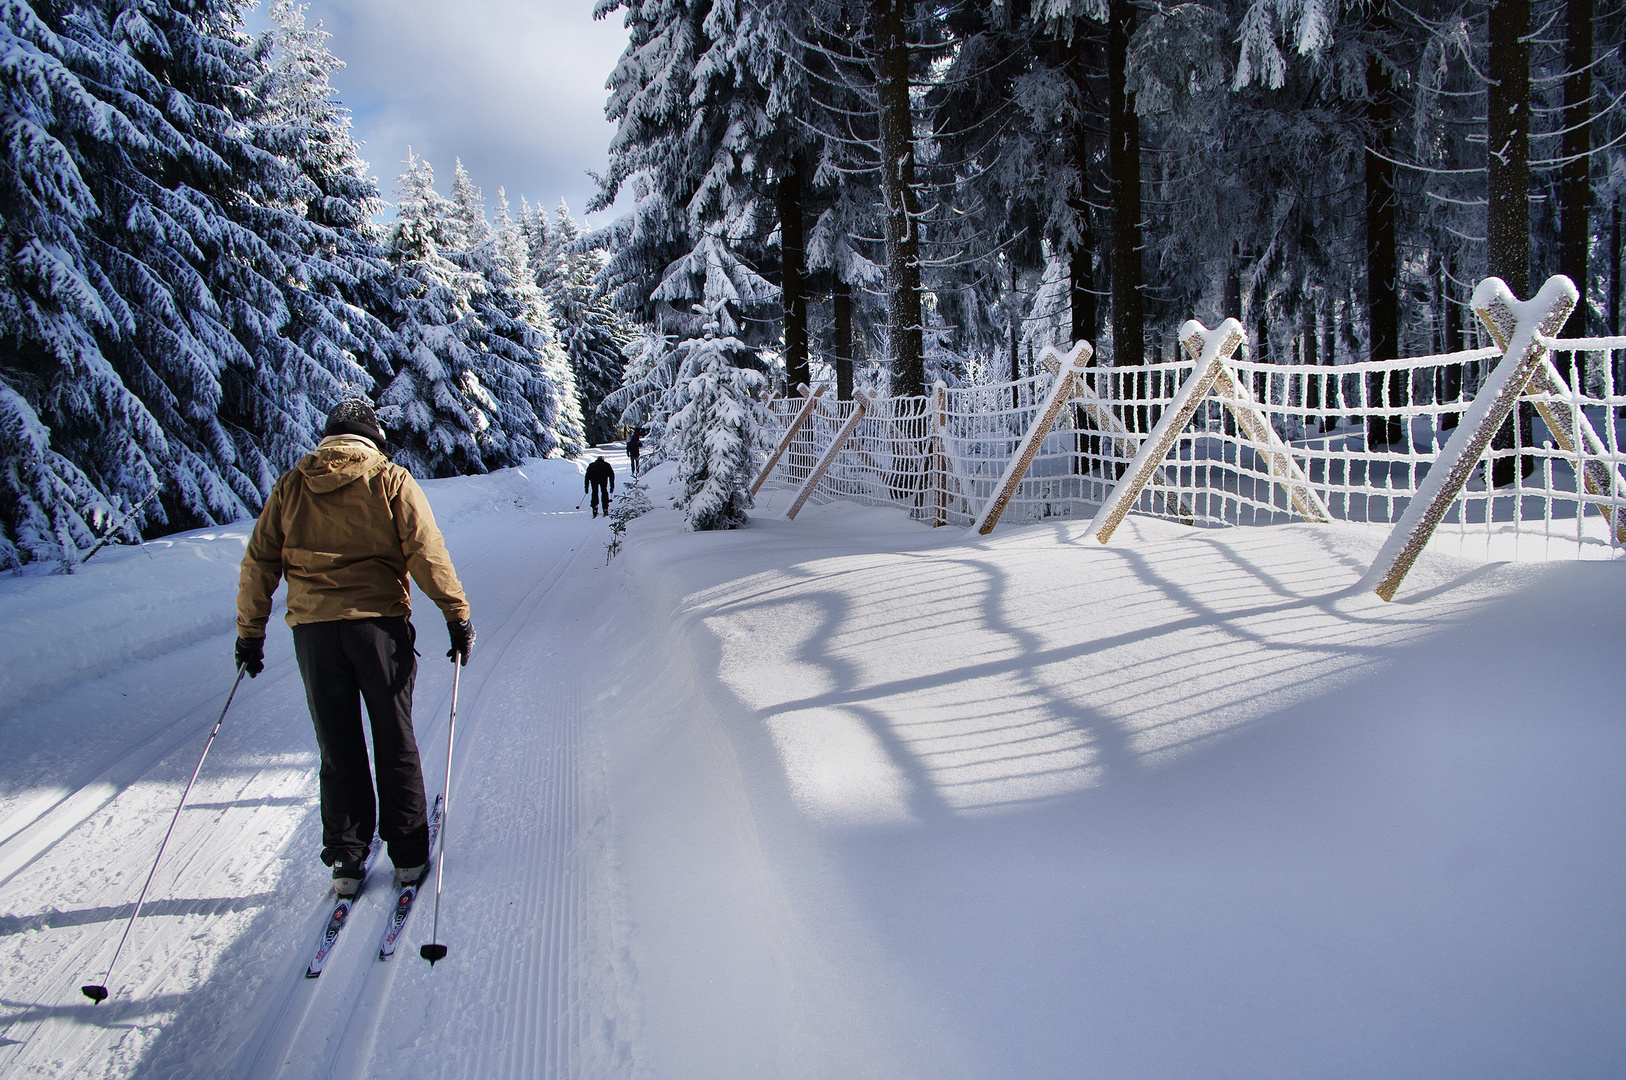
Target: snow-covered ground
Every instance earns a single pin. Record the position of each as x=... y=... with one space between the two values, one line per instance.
x=845 y=797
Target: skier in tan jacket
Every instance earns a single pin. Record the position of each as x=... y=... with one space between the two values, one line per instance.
x=346 y=528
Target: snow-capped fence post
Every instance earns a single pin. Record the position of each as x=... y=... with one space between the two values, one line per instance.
x=937 y=472
x=1519 y=328
x=1211 y=350
x=861 y=403
x=1060 y=391
x=790 y=433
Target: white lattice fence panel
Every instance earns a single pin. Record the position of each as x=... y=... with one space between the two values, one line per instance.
x=1364 y=434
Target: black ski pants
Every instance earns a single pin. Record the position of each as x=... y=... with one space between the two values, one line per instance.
x=601 y=498
x=344 y=663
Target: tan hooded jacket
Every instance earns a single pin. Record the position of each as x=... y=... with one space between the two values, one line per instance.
x=345 y=527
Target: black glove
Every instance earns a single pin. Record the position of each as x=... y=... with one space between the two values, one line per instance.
x=251 y=654
x=462 y=635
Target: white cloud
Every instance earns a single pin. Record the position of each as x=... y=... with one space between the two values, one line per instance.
x=513 y=87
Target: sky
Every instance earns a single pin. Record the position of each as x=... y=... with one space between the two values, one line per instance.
x=515 y=88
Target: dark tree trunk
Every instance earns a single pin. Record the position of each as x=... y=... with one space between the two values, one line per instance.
x=1123 y=129
x=1261 y=382
x=1329 y=356
x=1619 y=366
x=1507 y=231
x=1451 y=374
x=841 y=311
x=1081 y=261
x=793 y=292
x=898 y=188
x=1382 y=260
x=1575 y=186
x=1081 y=269
x=1508 y=226
x=1312 y=378
x=1614 y=271
x=1015 y=316
x=1233 y=285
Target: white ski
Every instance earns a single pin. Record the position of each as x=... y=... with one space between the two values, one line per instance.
x=403 y=902
x=340 y=916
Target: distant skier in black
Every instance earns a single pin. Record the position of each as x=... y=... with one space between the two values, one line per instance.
x=634 y=444
x=600 y=480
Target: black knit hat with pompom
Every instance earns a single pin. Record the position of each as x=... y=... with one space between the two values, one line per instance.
x=355 y=416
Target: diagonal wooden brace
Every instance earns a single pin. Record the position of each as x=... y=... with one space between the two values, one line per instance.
x=1574 y=434
x=790 y=434
x=1278 y=456
x=1518 y=328
x=1028 y=449
x=1211 y=348
x=861 y=404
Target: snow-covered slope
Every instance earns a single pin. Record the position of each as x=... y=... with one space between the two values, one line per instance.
x=847 y=797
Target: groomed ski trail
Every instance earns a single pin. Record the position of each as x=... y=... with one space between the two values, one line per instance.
x=283 y=1024
x=511 y=910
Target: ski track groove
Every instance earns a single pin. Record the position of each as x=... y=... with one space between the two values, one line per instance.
x=533 y=1034
x=29 y=841
x=542 y=1037
x=358 y=1035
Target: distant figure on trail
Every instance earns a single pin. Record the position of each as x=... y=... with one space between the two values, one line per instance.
x=600 y=480
x=346 y=528
x=634 y=444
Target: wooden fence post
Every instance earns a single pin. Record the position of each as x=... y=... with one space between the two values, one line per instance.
x=1518 y=327
x=1210 y=348
x=790 y=434
x=1574 y=434
x=1278 y=457
x=1212 y=351
x=861 y=405
x=938 y=471
x=1028 y=448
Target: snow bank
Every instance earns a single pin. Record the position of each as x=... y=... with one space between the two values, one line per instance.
x=1186 y=805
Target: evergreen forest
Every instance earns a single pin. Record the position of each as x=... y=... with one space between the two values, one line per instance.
x=197 y=265
x=871 y=193
x=938 y=190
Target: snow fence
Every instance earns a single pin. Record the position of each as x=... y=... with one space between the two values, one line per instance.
x=1261 y=444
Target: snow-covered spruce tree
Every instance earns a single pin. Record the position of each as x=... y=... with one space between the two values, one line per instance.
x=594 y=335
x=149 y=278
x=54 y=302
x=702 y=138
x=200 y=233
x=699 y=398
x=433 y=408
x=713 y=425
x=477 y=335
x=516 y=406
x=520 y=323
x=466 y=225
x=339 y=278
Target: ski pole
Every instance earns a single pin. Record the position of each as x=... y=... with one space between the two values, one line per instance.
x=98 y=992
x=435 y=950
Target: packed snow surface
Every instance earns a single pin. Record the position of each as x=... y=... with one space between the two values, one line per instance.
x=843 y=797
